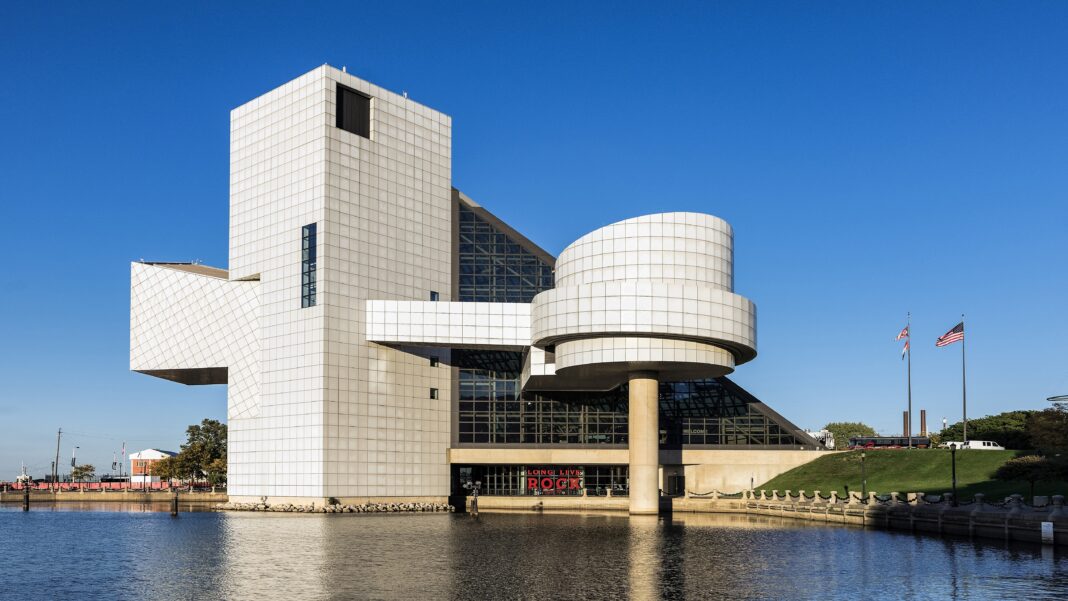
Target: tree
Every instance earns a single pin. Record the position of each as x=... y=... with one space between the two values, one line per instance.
x=1010 y=429
x=217 y=472
x=166 y=469
x=205 y=446
x=1048 y=429
x=1030 y=469
x=843 y=431
x=82 y=472
x=188 y=468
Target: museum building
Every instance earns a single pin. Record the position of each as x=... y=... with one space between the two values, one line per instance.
x=382 y=335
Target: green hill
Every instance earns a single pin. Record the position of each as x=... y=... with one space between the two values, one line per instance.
x=916 y=470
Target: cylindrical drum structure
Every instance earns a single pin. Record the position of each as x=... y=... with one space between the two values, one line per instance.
x=647 y=299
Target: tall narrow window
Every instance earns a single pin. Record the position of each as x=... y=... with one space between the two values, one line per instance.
x=433 y=393
x=433 y=295
x=353 y=111
x=307 y=266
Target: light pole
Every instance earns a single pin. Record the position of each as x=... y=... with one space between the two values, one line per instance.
x=863 y=477
x=953 y=455
x=73 y=462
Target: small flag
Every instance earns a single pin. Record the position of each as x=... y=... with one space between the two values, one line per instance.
x=124 y=449
x=904 y=334
x=904 y=350
x=954 y=335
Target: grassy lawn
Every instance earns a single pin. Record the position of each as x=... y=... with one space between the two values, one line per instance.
x=918 y=470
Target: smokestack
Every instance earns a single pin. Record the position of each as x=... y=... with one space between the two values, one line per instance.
x=905 y=423
x=923 y=422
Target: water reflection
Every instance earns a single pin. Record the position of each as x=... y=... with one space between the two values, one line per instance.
x=645 y=558
x=104 y=554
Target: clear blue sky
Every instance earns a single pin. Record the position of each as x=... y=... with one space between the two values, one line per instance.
x=873 y=160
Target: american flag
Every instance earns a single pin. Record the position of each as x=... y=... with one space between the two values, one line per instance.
x=954 y=335
x=904 y=334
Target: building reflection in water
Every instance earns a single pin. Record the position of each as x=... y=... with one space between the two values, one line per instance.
x=646 y=558
x=96 y=553
x=593 y=556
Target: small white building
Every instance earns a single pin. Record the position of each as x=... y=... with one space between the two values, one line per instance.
x=141 y=464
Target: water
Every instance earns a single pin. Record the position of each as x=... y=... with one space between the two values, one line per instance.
x=105 y=551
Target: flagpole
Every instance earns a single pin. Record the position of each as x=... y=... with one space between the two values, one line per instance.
x=909 y=353
x=963 y=380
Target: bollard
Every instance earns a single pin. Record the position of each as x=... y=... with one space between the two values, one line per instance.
x=25 y=498
x=174 y=504
x=763 y=496
x=1058 y=507
x=1015 y=504
x=834 y=497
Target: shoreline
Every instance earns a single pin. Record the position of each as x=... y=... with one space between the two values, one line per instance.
x=1011 y=520
x=132 y=496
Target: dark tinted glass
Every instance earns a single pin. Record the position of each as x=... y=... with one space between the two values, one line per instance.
x=492 y=409
x=307 y=265
x=516 y=480
x=495 y=268
x=353 y=112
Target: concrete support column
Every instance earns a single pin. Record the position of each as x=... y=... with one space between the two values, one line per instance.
x=644 y=446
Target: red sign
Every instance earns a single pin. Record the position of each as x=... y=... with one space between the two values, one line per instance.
x=554 y=480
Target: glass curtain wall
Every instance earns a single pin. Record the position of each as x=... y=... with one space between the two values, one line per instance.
x=521 y=480
x=494 y=267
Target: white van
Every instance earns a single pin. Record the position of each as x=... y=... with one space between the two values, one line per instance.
x=983 y=445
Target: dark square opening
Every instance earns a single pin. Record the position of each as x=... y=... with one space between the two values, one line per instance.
x=353 y=111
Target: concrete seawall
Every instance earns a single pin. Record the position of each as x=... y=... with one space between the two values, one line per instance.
x=133 y=496
x=1010 y=520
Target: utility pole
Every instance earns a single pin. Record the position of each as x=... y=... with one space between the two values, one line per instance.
x=55 y=464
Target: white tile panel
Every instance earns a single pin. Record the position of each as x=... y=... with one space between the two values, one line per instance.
x=452 y=324
x=185 y=320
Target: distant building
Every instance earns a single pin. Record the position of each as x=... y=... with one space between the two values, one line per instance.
x=141 y=464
